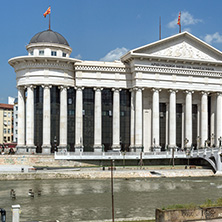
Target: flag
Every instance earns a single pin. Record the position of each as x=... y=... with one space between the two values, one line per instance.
x=178 y=22
x=48 y=11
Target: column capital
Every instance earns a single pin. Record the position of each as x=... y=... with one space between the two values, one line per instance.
x=79 y=88
x=98 y=89
x=20 y=87
x=63 y=88
x=204 y=93
x=138 y=88
x=30 y=86
x=218 y=93
x=116 y=89
x=188 y=91
x=47 y=86
x=156 y=90
x=173 y=90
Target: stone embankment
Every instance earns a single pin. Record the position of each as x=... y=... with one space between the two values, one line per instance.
x=21 y=167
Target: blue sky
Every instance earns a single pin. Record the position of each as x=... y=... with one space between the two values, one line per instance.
x=101 y=29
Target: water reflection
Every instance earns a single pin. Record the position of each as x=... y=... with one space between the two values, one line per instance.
x=78 y=200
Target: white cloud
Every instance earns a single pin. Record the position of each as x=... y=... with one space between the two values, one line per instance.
x=216 y=37
x=78 y=56
x=186 y=19
x=114 y=54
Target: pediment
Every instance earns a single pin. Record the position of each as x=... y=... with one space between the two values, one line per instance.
x=183 y=46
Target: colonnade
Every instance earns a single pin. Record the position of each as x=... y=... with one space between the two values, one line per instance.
x=26 y=119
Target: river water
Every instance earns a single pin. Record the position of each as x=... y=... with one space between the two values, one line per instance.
x=84 y=200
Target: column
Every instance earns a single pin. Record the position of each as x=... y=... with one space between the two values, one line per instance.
x=156 y=121
x=218 y=119
x=213 y=122
x=188 y=119
x=116 y=120
x=21 y=120
x=138 y=119
x=63 y=120
x=30 y=120
x=204 y=119
x=79 y=120
x=167 y=126
x=132 y=121
x=98 y=120
x=46 y=146
x=172 y=119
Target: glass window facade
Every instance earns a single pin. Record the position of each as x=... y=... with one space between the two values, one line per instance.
x=55 y=116
x=107 y=118
x=88 y=119
x=71 y=103
x=162 y=115
x=179 y=109
x=125 y=97
x=194 y=125
x=38 y=117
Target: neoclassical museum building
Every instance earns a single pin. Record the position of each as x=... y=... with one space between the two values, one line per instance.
x=163 y=95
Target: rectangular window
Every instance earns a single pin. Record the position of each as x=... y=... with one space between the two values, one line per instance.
x=31 y=52
x=4 y=130
x=63 y=54
x=9 y=138
x=16 y=123
x=5 y=114
x=9 y=114
x=5 y=123
x=41 y=52
x=16 y=108
x=9 y=122
x=16 y=116
x=9 y=131
x=16 y=131
x=53 y=53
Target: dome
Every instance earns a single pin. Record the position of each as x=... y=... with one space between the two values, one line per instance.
x=49 y=36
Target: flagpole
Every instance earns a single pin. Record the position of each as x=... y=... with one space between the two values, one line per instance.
x=49 y=22
x=160 y=28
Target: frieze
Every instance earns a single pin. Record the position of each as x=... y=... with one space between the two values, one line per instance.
x=101 y=68
x=177 y=71
x=47 y=65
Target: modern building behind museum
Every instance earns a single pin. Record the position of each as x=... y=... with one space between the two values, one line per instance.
x=164 y=95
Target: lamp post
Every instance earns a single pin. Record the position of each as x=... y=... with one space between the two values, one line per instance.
x=220 y=140
x=55 y=144
x=112 y=193
x=186 y=141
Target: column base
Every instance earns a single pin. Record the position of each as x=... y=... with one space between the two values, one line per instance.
x=138 y=148
x=21 y=150
x=79 y=148
x=62 y=149
x=116 y=148
x=31 y=149
x=97 y=148
x=46 y=149
x=156 y=148
x=132 y=149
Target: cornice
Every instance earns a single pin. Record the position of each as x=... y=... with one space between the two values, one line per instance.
x=180 y=71
x=102 y=68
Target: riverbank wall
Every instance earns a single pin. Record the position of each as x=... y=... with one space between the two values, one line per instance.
x=104 y=174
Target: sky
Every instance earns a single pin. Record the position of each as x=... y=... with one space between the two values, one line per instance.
x=101 y=29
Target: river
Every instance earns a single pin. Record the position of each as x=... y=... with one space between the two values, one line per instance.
x=81 y=199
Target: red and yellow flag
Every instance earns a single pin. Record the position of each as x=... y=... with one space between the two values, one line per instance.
x=48 y=11
x=178 y=22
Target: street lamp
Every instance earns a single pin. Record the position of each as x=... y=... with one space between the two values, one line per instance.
x=55 y=144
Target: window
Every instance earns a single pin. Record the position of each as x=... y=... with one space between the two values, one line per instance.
x=16 y=123
x=5 y=114
x=9 y=122
x=16 y=108
x=63 y=54
x=16 y=116
x=53 y=53
x=41 y=52
x=4 y=130
x=5 y=123
x=9 y=114
x=16 y=131
x=31 y=52
x=8 y=138
x=9 y=131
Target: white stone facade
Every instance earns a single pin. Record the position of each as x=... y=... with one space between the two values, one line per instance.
x=181 y=72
